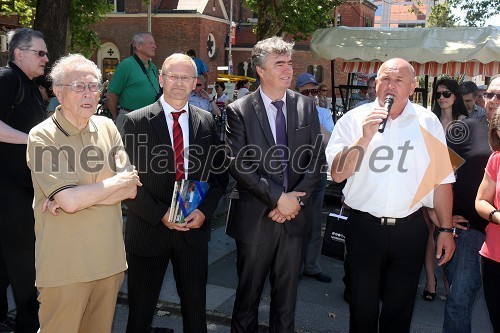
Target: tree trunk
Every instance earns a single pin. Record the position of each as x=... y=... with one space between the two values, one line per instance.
x=269 y=24
x=52 y=19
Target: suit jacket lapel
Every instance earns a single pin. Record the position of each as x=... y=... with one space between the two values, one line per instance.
x=261 y=113
x=159 y=124
x=291 y=118
x=194 y=123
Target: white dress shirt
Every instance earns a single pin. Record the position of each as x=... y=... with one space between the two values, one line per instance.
x=272 y=111
x=391 y=170
x=184 y=122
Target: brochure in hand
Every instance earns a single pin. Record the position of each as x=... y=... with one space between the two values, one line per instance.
x=187 y=196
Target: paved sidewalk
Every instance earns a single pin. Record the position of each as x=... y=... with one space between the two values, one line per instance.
x=320 y=306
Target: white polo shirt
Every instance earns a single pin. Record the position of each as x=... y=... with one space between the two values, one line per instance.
x=388 y=181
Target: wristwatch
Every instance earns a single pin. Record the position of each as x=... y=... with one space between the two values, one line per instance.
x=452 y=231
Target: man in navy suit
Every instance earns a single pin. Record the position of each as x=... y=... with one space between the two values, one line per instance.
x=274 y=142
x=151 y=240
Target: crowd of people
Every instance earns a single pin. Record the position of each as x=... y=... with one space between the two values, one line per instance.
x=62 y=248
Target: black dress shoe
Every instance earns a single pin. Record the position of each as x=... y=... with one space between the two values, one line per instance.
x=161 y=330
x=7 y=326
x=320 y=277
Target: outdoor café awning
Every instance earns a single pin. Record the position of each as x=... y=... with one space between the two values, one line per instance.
x=432 y=51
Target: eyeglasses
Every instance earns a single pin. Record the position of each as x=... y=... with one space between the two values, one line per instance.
x=182 y=78
x=490 y=95
x=446 y=94
x=80 y=86
x=41 y=53
x=306 y=92
x=198 y=84
x=324 y=90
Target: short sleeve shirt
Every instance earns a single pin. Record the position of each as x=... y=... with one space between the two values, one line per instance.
x=86 y=245
x=133 y=88
x=491 y=245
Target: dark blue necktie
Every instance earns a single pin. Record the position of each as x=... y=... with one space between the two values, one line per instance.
x=281 y=140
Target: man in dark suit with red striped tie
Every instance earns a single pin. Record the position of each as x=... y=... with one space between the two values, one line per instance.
x=155 y=137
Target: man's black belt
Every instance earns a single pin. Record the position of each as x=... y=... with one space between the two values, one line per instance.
x=387 y=220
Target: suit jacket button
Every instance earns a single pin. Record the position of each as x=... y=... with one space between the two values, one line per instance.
x=281 y=176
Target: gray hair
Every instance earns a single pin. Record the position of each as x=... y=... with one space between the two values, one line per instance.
x=21 y=39
x=179 y=57
x=264 y=48
x=139 y=39
x=70 y=63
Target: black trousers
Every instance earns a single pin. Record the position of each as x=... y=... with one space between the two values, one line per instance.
x=490 y=272
x=17 y=254
x=145 y=279
x=384 y=265
x=279 y=258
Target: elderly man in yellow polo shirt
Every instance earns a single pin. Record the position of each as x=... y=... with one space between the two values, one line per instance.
x=80 y=176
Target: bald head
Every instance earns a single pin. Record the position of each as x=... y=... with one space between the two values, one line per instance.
x=395 y=77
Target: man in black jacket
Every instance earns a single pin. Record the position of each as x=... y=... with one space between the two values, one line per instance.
x=21 y=108
x=151 y=239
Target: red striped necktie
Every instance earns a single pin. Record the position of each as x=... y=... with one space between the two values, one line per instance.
x=178 y=146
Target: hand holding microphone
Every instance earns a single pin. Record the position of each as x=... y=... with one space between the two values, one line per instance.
x=389 y=100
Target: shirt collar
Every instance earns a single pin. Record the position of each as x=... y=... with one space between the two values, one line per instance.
x=267 y=101
x=68 y=128
x=168 y=109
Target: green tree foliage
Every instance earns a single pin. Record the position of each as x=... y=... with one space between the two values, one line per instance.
x=441 y=16
x=83 y=14
x=476 y=11
x=299 y=18
x=25 y=10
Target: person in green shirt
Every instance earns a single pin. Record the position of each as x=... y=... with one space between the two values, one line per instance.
x=135 y=82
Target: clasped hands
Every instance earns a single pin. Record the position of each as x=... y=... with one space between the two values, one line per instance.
x=193 y=221
x=287 y=208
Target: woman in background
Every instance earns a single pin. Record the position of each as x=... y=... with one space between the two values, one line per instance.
x=487 y=205
x=448 y=107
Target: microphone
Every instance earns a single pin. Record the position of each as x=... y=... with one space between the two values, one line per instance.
x=388 y=105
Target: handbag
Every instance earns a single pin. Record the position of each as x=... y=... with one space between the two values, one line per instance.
x=334 y=238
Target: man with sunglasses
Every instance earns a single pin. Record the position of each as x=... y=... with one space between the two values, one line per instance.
x=307 y=85
x=200 y=98
x=21 y=108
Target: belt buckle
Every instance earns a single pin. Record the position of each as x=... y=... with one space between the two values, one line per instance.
x=387 y=221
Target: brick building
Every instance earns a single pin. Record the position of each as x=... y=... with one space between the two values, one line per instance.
x=179 y=25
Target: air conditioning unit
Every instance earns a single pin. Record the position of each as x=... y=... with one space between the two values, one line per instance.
x=252 y=20
x=3 y=43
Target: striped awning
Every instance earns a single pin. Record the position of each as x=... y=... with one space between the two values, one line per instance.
x=452 y=68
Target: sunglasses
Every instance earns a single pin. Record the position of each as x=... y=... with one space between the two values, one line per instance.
x=198 y=84
x=324 y=90
x=306 y=92
x=446 y=94
x=41 y=54
x=490 y=95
